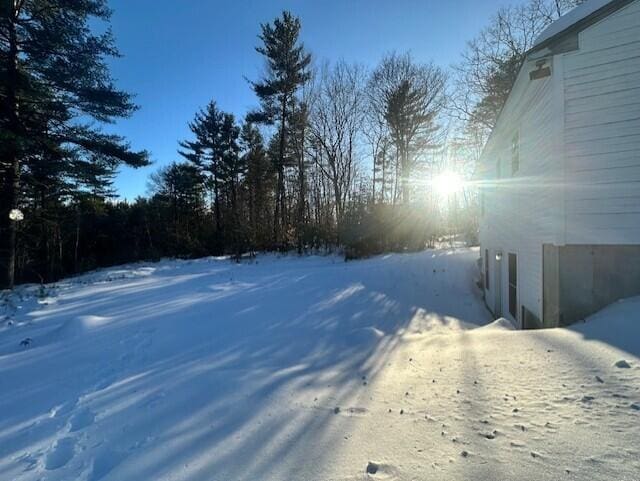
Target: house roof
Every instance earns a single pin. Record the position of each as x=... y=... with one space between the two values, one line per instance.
x=576 y=19
x=580 y=16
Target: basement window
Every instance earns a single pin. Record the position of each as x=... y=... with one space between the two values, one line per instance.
x=515 y=153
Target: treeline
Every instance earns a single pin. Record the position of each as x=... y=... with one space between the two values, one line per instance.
x=336 y=155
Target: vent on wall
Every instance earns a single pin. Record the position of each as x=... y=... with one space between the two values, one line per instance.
x=542 y=70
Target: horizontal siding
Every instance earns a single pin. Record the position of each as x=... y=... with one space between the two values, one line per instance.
x=624 y=26
x=521 y=212
x=604 y=115
x=595 y=103
x=622 y=129
x=602 y=131
x=624 y=71
x=612 y=206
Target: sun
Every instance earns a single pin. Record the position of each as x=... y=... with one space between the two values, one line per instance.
x=448 y=183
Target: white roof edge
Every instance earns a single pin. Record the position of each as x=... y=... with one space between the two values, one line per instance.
x=570 y=18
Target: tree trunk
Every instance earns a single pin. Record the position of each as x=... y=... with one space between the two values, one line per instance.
x=339 y=207
x=11 y=183
x=76 y=246
x=395 y=180
x=373 y=184
x=383 y=190
x=279 y=218
x=302 y=194
x=216 y=204
x=405 y=172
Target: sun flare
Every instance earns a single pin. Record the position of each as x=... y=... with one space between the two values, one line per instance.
x=448 y=183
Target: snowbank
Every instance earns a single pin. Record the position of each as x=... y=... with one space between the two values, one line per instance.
x=617 y=325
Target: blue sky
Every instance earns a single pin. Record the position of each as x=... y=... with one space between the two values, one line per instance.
x=178 y=55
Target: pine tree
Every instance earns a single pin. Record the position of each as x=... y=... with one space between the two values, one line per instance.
x=180 y=186
x=215 y=151
x=53 y=76
x=259 y=183
x=232 y=165
x=205 y=151
x=287 y=70
x=232 y=169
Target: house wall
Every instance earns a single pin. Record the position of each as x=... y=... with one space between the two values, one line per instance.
x=524 y=211
x=602 y=129
x=579 y=183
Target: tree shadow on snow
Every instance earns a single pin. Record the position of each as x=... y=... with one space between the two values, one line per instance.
x=211 y=370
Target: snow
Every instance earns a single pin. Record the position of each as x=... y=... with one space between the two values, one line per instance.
x=570 y=18
x=308 y=369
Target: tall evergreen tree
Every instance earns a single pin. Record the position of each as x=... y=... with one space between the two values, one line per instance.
x=259 y=183
x=180 y=187
x=53 y=76
x=205 y=151
x=215 y=151
x=232 y=165
x=287 y=69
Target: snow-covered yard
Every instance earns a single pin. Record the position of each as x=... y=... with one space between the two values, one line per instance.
x=308 y=369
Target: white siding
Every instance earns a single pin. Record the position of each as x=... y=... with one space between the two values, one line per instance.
x=602 y=121
x=525 y=211
x=579 y=179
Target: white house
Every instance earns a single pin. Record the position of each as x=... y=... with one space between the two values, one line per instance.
x=560 y=174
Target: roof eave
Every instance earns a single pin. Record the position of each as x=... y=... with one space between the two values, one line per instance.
x=580 y=25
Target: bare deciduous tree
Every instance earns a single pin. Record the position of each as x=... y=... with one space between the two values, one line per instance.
x=492 y=60
x=335 y=122
x=409 y=96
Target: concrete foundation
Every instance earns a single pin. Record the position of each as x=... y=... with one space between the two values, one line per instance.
x=579 y=280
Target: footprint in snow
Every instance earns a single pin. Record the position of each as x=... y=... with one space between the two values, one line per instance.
x=81 y=420
x=105 y=462
x=60 y=453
